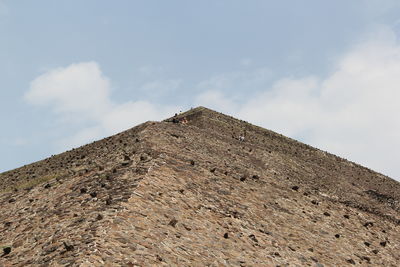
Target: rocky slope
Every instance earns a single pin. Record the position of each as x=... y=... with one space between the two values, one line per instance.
x=173 y=194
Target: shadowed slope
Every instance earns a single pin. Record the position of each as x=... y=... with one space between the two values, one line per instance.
x=192 y=194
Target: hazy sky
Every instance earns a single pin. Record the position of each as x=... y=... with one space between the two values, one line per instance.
x=324 y=72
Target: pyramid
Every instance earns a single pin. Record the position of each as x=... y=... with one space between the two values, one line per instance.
x=199 y=189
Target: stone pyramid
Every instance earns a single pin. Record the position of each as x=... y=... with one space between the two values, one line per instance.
x=189 y=191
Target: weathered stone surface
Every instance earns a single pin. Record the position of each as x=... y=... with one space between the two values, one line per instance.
x=194 y=195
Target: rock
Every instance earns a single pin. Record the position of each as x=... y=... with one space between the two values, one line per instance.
x=368 y=259
x=383 y=243
x=351 y=261
x=295 y=188
x=314 y=202
x=6 y=250
x=187 y=227
x=93 y=194
x=173 y=222
x=159 y=258
x=226 y=235
x=327 y=214
x=17 y=243
x=49 y=249
x=68 y=246
x=367 y=224
x=125 y=163
x=83 y=190
x=253 y=237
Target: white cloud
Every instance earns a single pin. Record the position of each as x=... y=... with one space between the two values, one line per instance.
x=80 y=89
x=353 y=112
x=288 y=100
x=81 y=93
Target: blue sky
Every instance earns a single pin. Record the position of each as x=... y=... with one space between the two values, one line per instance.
x=323 y=72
